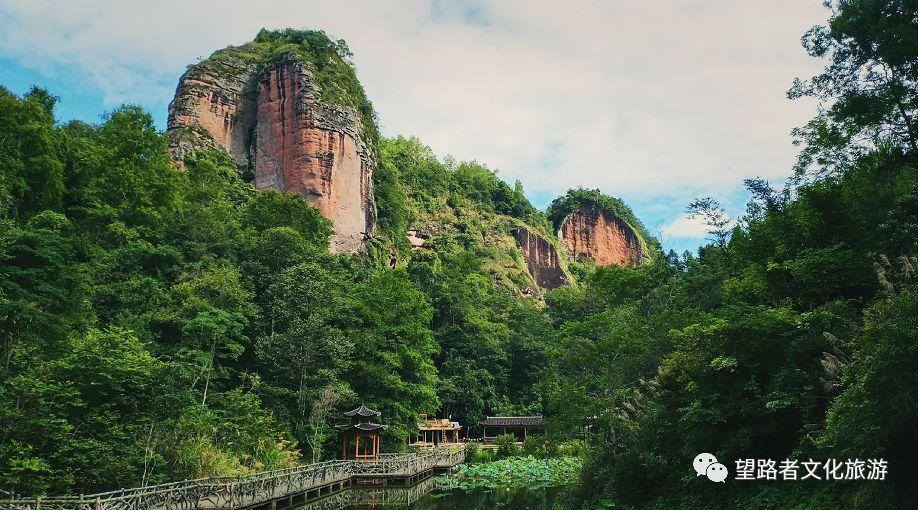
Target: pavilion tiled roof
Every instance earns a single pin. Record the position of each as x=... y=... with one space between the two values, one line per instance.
x=362 y=411
x=362 y=426
x=441 y=424
x=512 y=421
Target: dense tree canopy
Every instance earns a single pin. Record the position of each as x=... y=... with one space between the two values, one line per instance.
x=240 y=338
x=789 y=337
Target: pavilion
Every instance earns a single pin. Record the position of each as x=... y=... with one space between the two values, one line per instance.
x=360 y=439
x=519 y=426
x=435 y=432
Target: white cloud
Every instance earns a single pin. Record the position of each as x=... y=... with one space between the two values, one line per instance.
x=637 y=98
x=685 y=227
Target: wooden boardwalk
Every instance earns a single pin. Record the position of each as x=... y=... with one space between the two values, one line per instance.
x=269 y=490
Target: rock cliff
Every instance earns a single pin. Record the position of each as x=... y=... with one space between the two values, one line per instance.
x=602 y=237
x=214 y=106
x=542 y=259
x=270 y=117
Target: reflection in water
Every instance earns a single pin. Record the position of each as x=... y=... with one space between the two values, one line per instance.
x=513 y=499
x=420 y=497
x=372 y=497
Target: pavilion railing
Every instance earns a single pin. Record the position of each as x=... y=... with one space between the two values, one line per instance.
x=227 y=493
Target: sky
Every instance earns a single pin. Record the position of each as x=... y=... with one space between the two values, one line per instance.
x=654 y=101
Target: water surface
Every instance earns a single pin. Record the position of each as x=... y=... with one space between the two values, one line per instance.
x=515 y=499
x=423 y=496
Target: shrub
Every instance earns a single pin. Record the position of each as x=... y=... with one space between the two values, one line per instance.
x=534 y=446
x=472 y=450
x=573 y=448
x=475 y=455
x=506 y=445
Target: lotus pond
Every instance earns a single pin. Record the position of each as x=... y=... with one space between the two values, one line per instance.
x=512 y=483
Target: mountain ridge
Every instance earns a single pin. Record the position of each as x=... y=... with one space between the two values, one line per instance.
x=265 y=103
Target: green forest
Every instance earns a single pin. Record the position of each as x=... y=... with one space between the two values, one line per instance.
x=159 y=323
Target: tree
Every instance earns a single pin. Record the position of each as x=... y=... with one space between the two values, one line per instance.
x=214 y=334
x=868 y=91
x=319 y=429
x=393 y=366
x=31 y=174
x=270 y=209
x=874 y=415
x=131 y=186
x=308 y=338
x=713 y=216
x=75 y=422
x=43 y=292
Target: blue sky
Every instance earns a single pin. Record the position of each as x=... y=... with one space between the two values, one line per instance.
x=656 y=102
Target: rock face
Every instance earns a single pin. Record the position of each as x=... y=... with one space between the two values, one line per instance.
x=273 y=123
x=214 y=106
x=602 y=237
x=542 y=259
x=417 y=239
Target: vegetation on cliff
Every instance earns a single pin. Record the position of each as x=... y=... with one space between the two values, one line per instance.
x=328 y=59
x=457 y=206
x=591 y=200
x=331 y=62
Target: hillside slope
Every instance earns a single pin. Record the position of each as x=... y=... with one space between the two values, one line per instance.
x=289 y=110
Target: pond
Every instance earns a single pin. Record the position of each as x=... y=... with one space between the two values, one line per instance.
x=524 y=483
x=423 y=496
x=512 y=499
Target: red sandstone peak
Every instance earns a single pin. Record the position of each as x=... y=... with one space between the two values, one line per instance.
x=272 y=121
x=601 y=237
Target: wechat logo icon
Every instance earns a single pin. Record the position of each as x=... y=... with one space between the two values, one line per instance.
x=707 y=465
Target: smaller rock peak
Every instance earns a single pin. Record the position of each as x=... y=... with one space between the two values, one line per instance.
x=602 y=237
x=542 y=258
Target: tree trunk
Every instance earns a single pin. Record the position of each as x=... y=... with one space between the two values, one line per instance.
x=210 y=367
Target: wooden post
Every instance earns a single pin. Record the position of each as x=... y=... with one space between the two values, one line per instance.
x=525 y=432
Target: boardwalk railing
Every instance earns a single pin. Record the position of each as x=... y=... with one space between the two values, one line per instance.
x=227 y=493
